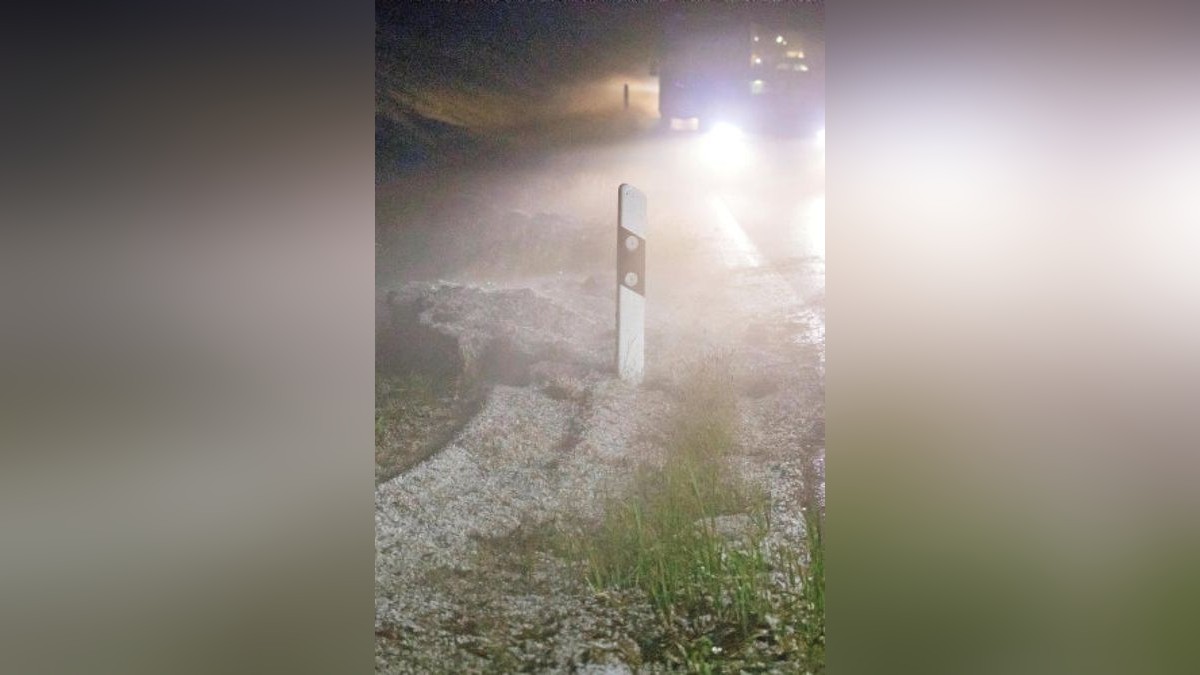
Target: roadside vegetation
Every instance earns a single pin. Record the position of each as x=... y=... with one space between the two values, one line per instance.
x=693 y=539
x=414 y=415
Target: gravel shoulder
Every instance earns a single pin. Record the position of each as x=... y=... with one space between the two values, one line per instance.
x=467 y=578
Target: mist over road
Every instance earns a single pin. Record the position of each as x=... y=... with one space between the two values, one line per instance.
x=504 y=269
x=498 y=411
x=736 y=221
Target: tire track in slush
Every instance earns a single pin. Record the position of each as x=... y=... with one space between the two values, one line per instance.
x=763 y=286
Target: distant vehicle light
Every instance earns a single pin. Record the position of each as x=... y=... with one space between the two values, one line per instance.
x=779 y=40
x=758 y=60
x=757 y=87
x=802 y=67
x=724 y=148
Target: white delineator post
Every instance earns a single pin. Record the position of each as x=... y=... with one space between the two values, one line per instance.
x=631 y=283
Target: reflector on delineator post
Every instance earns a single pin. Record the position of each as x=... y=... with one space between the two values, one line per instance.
x=631 y=283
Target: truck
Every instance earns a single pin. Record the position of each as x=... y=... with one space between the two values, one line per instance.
x=756 y=76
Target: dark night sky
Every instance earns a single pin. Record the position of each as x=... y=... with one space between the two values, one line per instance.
x=520 y=46
x=531 y=45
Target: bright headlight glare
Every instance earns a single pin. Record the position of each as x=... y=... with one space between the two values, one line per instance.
x=724 y=147
x=724 y=132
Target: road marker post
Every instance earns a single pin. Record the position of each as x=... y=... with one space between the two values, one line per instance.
x=631 y=284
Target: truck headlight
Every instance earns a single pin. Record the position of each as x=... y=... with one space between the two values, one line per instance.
x=724 y=147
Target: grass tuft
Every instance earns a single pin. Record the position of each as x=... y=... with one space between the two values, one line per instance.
x=724 y=600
